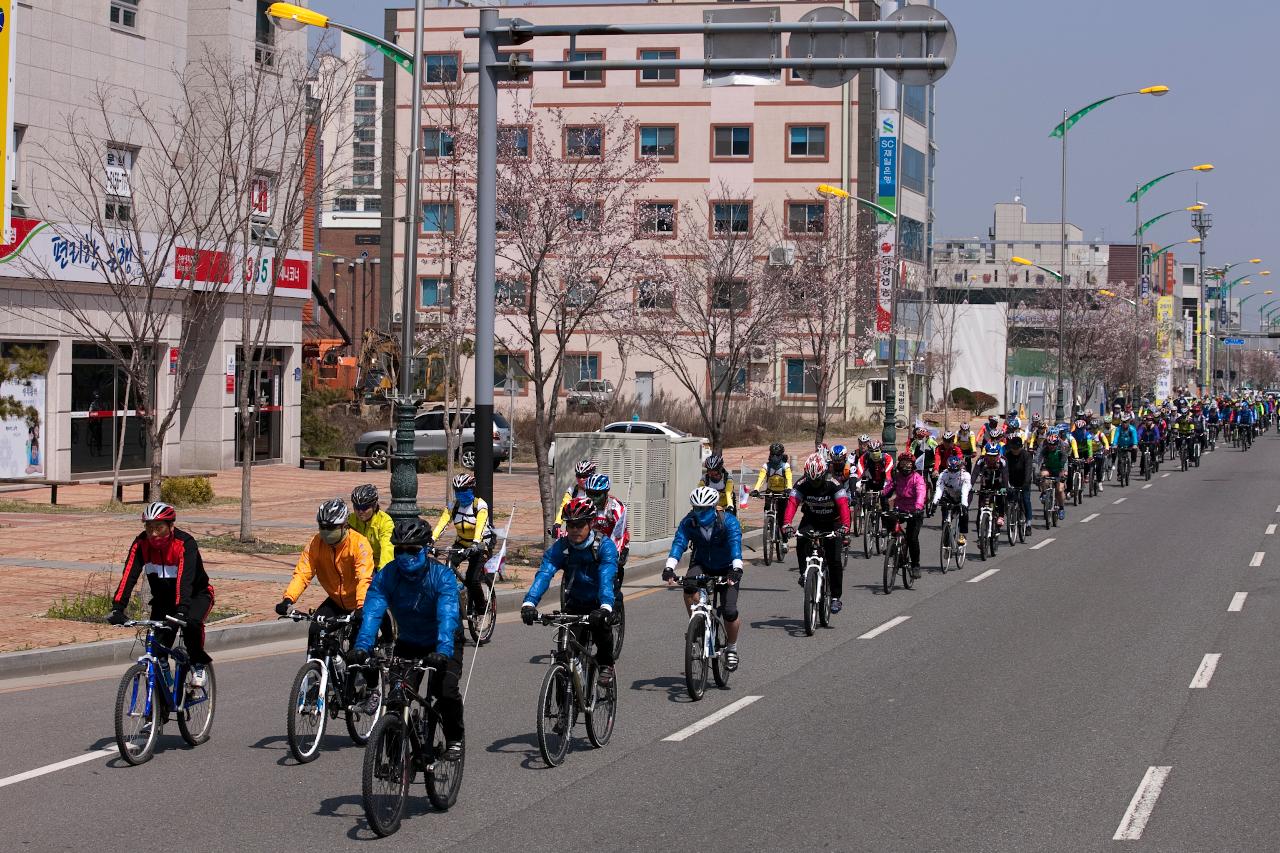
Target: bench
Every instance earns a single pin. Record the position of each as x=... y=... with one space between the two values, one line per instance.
x=51 y=485
x=144 y=481
x=343 y=460
x=303 y=460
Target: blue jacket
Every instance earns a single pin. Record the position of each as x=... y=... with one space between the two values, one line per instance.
x=1246 y=415
x=717 y=550
x=422 y=598
x=588 y=571
x=1126 y=436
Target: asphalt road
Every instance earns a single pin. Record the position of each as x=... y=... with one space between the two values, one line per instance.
x=1047 y=706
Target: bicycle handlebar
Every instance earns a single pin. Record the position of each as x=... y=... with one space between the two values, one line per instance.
x=311 y=616
x=558 y=618
x=706 y=580
x=153 y=623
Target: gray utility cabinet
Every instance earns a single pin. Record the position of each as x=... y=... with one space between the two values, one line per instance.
x=652 y=474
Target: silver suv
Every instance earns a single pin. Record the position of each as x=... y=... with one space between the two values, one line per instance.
x=428 y=439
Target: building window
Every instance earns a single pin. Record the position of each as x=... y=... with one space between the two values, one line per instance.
x=124 y=13
x=366 y=134
x=1188 y=275
x=510 y=292
x=876 y=390
x=363 y=120
x=433 y=292
x=366 y=90
x=578 y=294
x=806 y=217
x=584 y=77
x=731 y=217
x=513 y=142
x=362 y=181
x=911 y=233
x=363 y=149
x=583 y=140
x=912 y=169
x=800 y=377
x=508 y=215
x=442 y=69
x=913 y=102
x=437 y=142
x=438 y=217
x=658 y=76
x=720 y=379
x=510 y=366
x=264 y=36
x=807 y=141
x=731 y=142
x=118 y=167
x=580 y=367
x=586 y=216
x=729 y=294
x=365 y=105
x=652 y=296
x=372 y=203
x=344 y=204
x=658 y=141
x=658 y=218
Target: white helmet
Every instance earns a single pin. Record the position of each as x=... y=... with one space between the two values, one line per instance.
x=703 y=497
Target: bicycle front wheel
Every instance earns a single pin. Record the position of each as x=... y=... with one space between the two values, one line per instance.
x=984 y=534
x=890 y=567
x=444 y=777
x=695 y=657
x=360 y=723
x=555 y=707
x=195 y=721
x=719 y=665
x=811 y=596
x=944 y=543
x=480 y=625
x=824 y=596
x=768 y=538
x=620 y=623
x=386 y=773
x=137 y=716
x=307 y=714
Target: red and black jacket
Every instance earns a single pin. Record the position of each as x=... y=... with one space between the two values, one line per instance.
x=178 y=563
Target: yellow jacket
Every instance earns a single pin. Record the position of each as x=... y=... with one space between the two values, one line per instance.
x=378 y=532
x=778 y=480
x=471 y=523
x=344 y=570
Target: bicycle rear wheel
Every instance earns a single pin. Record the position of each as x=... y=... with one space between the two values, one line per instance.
x=308 y=713
x=385 y=776
x=137 y=719
x=195 y=721
x=695 y=657
x=620 y=622
x=719 y=663
x=867 y=536
x=603 y=711
x=1011 y=522
x=824 y=610
x=555 y=705
x=811 y=596
x=444 y=777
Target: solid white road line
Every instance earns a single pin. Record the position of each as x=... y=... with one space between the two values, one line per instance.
x=60 y=765
x=1119 y=500
x=1271 y=530
x=988 y=573
x=1041 y=544
x=1237 y=602
x=1088 y=518
x=875 y=632
x=1277 y=507
x=1257 y=558
x=1143 y=803
x=1148 y=485
x=1205 y=672
x=705 y=722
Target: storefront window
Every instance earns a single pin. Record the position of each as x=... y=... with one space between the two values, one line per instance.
x=266 y=404
x=103 y=406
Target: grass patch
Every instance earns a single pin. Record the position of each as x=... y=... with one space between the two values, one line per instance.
x=93 y=605
x=230 y=542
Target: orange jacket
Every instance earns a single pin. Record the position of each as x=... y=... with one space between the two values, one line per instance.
x=344 y=570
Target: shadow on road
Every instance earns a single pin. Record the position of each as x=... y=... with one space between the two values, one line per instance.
x=674 y=686
x=280 y=743
x=794 y=627
x=525 y=744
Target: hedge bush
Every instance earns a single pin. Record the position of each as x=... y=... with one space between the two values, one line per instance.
x=186 y=491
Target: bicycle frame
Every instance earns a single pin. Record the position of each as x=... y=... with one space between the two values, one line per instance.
x=569 y=650
x=156 y=656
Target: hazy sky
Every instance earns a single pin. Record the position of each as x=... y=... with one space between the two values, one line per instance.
x=1020 y=64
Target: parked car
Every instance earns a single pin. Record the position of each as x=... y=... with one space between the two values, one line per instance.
x=639 y=428
x=590 y=394
x=428 y=439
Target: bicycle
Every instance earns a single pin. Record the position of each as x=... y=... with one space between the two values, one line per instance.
x=1184 y=453
x=1013 y=521
x=949 y=549
x=1048 y=501
x=706 y=640
x=325 y=687
x=1123 y=466
x=1148 y=462
x=873 y=532
x=817 y=583
x=1246 y=436
x=149 y=693
x=896 y=559
x=479 y=625
x=408 y=738
x=572 y=686
x=1093 y=473
x=773 y=542
x=1213 y=436
x=988 y=535
x=1075 y=483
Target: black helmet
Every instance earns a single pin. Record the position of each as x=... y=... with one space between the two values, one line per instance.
x=363 y=497
x=776 y=449
x=332 y=513
x=411 y=532
x=714 y=462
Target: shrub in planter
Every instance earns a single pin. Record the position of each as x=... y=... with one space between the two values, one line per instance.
x=186 y=491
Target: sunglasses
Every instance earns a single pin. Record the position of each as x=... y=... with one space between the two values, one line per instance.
x=331 y=527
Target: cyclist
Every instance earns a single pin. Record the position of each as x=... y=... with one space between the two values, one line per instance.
x=170 y=558
x=1014 y=427
x=1202 y=427
x=991 y=476
x=473 y=537
x=1021 y=471
x=422 y=595
x=838 y=466
x=907 y=488
x=610 y=512
x=589 y=561
x=946 y=449
x=1184 y=429
x=716 y=540
x=581 y=472
x=1082 y=437
x=715 y=477
x=372 y=523
x=1124 y=438
x=954 y=483
x=342 y=561
x=968 y=445
x=1052 y=462
x=775 y=478
x=1149 y=437
x=922 y=445
x=824 y=504
x=988 y=429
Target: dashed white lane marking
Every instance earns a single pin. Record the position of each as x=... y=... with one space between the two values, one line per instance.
x=1277 y=507
x=1205 y=672
x=988 y=573
x=1257 y=558
x=1148 y=485
x=875 y=632
x=1165 y=474
x=56 y=766
x=1119 y=500
x=705 y=722
x=1088 y=518
x=1143 y=803
x=1237 y=602
x=1041 y=543
x=1271 y=530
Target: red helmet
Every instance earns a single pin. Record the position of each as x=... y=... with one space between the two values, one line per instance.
x=815 y=466
x=159 y=511
x=905 y=456
x=579 y=510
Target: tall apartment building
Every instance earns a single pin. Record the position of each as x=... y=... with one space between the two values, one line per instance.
x=67 y=50
x=770 y=146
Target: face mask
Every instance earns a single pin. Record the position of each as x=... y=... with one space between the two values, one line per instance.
x=333 y=537
x=465 y=497
x=705 y=516
x=161 y=542
x=413 y=561
x=585 y=543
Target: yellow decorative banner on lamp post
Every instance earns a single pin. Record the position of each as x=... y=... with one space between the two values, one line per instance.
x=1164 y=322
x=8 y=64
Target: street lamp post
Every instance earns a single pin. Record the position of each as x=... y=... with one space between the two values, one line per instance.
x=1201 y=222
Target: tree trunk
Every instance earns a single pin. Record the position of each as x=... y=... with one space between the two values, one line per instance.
x=119 y=448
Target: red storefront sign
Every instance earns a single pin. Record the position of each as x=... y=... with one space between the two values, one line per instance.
x=292 y=274
x=201 y=265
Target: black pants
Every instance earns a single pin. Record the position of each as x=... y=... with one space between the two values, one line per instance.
x=163 y=593
x=830 y=552
x=728 y=595
x=950 y=506
x=911 y=528
x=474 y=577
x=329 y=608
x=445 y=685
x=601 y=637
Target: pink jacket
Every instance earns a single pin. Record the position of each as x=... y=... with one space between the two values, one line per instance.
x=908 y=492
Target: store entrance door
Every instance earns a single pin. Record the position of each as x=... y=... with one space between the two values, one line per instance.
x=267 y=407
